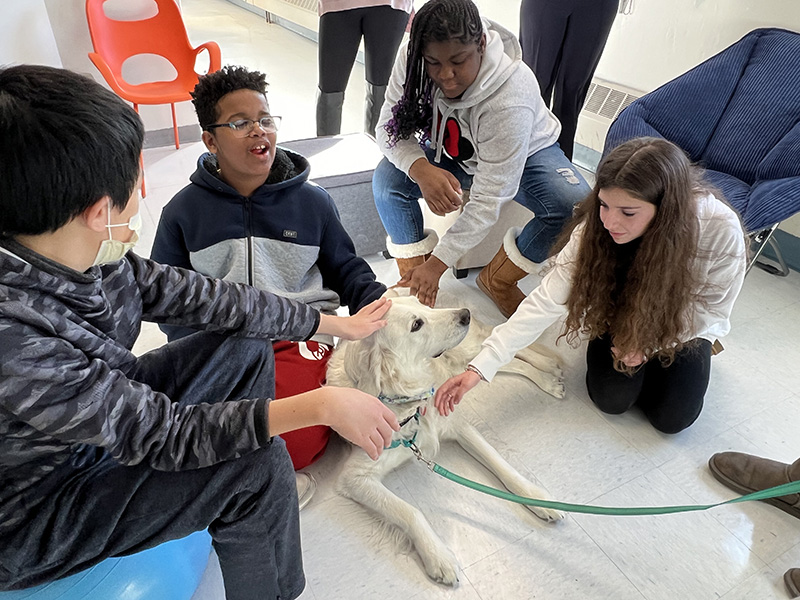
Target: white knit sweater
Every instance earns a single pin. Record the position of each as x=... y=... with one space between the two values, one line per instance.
x=722 y=262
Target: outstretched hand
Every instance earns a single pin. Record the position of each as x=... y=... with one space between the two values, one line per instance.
x=452 y=391
x=356 y=416
x=423 y=280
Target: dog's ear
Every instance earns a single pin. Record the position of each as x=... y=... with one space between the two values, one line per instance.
x=362 y=364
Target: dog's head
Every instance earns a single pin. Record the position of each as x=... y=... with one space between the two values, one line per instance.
x=398 y=359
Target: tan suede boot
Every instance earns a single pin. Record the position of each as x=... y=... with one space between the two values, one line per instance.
x=792 y=580
x=404 y=265
x=746 y=473
x=499 y=278
x=409 y=256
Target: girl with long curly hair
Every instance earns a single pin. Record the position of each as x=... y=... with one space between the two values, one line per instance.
x=648 y=271
x=463 y=111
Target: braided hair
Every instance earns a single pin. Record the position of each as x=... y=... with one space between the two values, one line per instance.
x=436 y=21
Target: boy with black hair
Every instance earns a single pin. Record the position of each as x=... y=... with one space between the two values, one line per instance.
x=250 y=215
x=103 y=453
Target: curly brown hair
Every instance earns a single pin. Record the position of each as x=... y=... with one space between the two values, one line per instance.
x=655 y=307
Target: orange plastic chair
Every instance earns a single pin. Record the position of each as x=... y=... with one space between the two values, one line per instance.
x=163 y=34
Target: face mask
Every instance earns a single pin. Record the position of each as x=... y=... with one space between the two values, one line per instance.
x=112 y=250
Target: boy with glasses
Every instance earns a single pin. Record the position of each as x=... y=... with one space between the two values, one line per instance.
x=103 y=453
x=250 y=215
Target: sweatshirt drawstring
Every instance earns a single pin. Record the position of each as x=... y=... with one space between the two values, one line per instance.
x=439 y=128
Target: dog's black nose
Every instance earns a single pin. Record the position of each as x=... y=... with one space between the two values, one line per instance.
x=463 y=316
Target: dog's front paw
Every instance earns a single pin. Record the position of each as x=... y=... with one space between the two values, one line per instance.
x=554 y=386
x=546 y=514
x=441 y=566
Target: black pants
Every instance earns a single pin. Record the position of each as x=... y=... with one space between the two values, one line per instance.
x=340 y=34
x=249 y=505
x=670 y=397
x=562 y=41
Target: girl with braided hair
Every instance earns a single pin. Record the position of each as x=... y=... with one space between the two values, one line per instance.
x=463 y=111
x=648 y=271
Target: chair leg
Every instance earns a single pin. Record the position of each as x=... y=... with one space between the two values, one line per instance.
x=175 y=128
x=782 y=270
x=141 y=167
x=141 y=157
x=762 y=238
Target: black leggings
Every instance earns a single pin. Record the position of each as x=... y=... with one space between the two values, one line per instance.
x=670 y=397
x=340 y=34
x=562 y=41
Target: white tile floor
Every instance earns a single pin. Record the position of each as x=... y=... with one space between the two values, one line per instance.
x=570 y=448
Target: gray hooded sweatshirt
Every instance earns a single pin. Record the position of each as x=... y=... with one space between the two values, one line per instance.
x=500 y=121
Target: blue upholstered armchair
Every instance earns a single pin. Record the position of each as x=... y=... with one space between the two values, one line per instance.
x=738 y=115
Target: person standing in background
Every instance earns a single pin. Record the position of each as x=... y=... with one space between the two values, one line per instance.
x=562 y=41
x=342 y=24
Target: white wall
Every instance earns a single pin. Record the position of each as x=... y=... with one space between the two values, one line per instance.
x=26 y=35
x=663 y=39
x=55 y=33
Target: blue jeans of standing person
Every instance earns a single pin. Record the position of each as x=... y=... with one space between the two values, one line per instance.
x=550 y=187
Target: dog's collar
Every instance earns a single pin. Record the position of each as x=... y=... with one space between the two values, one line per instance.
x=412 y=441
x=406 y=399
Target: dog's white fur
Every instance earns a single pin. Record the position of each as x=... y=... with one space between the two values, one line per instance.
x=419 y=349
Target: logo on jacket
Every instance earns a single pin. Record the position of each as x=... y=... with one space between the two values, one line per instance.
x=288 y=233
x=456 y=145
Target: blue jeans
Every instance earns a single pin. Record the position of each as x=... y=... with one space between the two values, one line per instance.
x=550 y=187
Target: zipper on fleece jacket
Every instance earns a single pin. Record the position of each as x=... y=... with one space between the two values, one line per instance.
x=248 y=231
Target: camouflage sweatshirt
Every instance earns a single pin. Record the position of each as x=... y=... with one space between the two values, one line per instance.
x=65 y=342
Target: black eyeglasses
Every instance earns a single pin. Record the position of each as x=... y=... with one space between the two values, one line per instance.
x=243 y=127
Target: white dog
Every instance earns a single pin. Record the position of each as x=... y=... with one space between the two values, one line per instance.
x=402 y=364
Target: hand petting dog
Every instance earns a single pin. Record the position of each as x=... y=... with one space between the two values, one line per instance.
x=358 y=417
x=364 y=323
x=423 y=281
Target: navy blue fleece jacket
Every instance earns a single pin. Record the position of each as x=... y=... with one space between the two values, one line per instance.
x=286 y=238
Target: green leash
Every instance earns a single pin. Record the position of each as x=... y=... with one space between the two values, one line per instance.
x=780 y=490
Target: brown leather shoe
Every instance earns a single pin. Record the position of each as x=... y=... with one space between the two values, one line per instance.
x=792 y=580
x=746 y=473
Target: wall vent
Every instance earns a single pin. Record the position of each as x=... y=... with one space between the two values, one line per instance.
x=309 y=5
x=604 y=102
x=607 y=101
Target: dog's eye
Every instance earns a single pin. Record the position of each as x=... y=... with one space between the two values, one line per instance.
x=416 y=325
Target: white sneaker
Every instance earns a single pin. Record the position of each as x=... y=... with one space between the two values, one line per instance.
x=306 y=486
